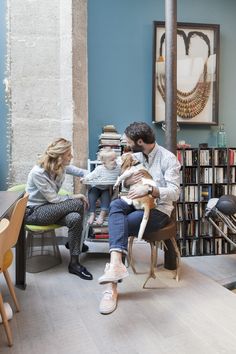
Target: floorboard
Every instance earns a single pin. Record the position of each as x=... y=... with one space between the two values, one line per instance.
x=59 y=311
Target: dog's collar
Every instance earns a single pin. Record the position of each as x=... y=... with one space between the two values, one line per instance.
x=137 y=163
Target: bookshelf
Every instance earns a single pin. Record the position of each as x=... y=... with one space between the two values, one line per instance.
x=205 y=173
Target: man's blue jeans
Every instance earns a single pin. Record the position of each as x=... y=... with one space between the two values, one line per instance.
x=124 y=221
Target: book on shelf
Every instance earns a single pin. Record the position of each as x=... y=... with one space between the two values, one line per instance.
x=180 y=157
x=101 y=236
x=221 y=157
x=205 y=157
x=206 y=192
x=110 y=142
x=109 y=135
x=100 y=229
x=232 y=157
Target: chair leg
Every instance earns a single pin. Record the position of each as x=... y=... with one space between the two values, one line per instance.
x=174 y=243
x=11 y=289
x=153 y=263
x=5 y=322
x=56 y=249
x=130 y=254
x=28 y=244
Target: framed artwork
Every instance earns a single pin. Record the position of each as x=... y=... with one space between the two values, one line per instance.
x=197 y=73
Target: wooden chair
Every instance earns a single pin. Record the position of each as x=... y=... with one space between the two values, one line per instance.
x=9 y=233
x=42 y=251
x=155 y=239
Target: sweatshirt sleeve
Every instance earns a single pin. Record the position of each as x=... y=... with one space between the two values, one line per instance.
x=75 y=171
x=46 y=188
x=171 y=191
x=93 y=176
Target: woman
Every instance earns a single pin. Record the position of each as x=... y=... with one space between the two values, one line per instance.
x=46 y=207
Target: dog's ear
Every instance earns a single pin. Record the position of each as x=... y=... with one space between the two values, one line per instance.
x=126 y=161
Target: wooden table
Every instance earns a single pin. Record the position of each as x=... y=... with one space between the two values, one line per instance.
x=7 y=202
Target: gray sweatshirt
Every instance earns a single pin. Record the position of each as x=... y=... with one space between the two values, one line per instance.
x=43 y=188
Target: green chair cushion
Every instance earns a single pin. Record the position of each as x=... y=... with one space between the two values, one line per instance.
x=17 y=188
x=21 y=188
x=38 y=228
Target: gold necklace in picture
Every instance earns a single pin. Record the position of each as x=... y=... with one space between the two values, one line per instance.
x=189 y=103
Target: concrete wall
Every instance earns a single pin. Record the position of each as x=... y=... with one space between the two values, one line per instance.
x=3 y=106
x=44 y=93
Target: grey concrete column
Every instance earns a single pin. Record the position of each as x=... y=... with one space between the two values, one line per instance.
x=171 y=91
x=80 y=84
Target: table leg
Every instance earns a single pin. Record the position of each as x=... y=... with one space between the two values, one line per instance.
x=21 y=260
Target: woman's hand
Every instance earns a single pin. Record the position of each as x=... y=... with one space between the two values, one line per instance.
x=83 y=198
x=135 y=178
x=139 y=191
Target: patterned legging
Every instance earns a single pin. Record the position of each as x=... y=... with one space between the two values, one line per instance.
x=67 y=213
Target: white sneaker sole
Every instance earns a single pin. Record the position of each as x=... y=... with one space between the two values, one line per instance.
x=108 y=310
x=106 y=279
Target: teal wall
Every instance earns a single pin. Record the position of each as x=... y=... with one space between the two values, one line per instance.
x=3 y=108
x=120 y=64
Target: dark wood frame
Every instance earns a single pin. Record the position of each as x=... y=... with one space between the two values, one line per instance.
x=211 y=46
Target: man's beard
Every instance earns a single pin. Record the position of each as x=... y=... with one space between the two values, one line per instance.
x=137 y=148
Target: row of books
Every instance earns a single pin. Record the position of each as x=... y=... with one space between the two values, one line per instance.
x=221 y=189
x=207 y=157
x=206 y=175
x=195 y=194
x=220 y=175
x=191 y=175
x=232 y=189
x=220 y=157
x=232 y=175
x=98 y=232
x=204 y=246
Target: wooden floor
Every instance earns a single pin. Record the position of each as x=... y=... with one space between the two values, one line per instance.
x=59 y=312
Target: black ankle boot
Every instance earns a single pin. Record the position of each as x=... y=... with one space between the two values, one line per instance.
x=81 y=271
x=85 y=248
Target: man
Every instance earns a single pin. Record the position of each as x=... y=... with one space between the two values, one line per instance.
x=124 y=220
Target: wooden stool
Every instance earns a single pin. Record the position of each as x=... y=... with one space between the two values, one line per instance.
x=156 y=238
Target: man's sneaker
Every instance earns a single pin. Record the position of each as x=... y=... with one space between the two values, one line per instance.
x=108 y=302
x=113 y=273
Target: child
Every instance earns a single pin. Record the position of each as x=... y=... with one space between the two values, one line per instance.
x=100 y=179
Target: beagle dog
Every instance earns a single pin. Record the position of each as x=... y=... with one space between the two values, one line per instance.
x=129 y=165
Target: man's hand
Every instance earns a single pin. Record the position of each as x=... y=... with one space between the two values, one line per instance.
x=135 y=178
x=139 y=191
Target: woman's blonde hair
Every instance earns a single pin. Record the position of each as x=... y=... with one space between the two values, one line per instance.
x=51 y=160
x=106 y=153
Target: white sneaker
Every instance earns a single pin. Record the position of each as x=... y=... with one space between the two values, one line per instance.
x=113 y=273
x=108 y=302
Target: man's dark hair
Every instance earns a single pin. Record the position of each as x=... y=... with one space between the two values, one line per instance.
x=140 y=130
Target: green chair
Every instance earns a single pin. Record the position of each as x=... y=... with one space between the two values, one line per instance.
x=42 y=251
